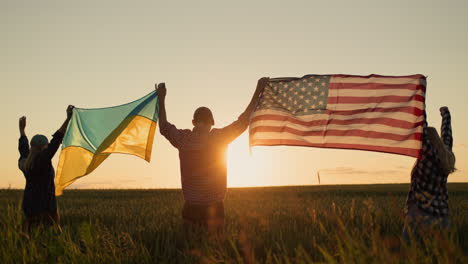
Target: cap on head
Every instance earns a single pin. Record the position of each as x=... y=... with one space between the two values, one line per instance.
x=39 y=140
x=203 y=114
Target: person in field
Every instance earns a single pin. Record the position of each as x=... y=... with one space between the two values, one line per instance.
x=202 y=154
x=427 y=203
x=39 y=202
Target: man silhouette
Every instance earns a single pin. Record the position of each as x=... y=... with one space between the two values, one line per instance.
x=202 y=154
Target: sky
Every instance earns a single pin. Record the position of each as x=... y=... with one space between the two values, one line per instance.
x=211 y=53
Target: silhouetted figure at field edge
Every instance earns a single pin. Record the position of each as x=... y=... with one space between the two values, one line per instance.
x=427 y=204
x=202 y=154
x=39 y=202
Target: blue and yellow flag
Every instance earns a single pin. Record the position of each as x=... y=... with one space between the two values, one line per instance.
x=93 y=134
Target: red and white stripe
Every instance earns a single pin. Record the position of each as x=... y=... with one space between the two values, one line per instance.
x=376 y=113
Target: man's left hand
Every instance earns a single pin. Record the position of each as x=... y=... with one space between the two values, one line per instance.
x=161 y=90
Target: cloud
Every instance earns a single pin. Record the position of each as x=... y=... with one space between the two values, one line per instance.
x=100 y=185
x=88 y=183
x=354 y=171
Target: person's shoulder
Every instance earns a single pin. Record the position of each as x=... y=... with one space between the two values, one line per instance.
x=43 y=155
x=216 y=131
x=218 y=135
x=184 y=132
x=171 y=127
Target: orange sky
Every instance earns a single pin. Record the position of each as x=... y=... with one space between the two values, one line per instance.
x=104 y=53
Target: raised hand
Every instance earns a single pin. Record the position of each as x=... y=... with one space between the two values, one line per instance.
x=22 y=123
x=161 y=90
x=70 y=111
x=261 y=84
x=446 y=127
x=443 y=110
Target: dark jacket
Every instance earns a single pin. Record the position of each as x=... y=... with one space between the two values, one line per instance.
x=39 y=193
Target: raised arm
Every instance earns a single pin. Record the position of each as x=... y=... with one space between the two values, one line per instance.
x=234 y=130
x=22 y=126
x=23 y=143
x=64 y=126
x=446 y=127
x=161 y=92
x=57 y=137
x=262 y=82
x=168 y=130
x=447 y=138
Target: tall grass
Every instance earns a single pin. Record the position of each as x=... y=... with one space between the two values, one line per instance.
x=332 y=224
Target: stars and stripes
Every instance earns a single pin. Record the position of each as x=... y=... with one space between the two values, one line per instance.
x=377 y=113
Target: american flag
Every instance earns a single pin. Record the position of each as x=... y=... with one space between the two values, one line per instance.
x=376 y=113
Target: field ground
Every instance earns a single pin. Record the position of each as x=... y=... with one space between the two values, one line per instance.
x=305 y=224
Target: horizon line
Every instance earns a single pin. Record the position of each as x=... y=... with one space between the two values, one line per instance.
x=250 y=187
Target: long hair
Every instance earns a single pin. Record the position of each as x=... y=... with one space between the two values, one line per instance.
x=30 y=161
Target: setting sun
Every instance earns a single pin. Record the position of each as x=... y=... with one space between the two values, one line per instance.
x=234 y=131
x=245 y=168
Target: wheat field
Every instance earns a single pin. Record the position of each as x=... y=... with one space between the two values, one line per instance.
x=303 y=224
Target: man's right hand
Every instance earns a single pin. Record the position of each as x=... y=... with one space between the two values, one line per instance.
x=22 y=123
x=261 y=84
x=161 y=90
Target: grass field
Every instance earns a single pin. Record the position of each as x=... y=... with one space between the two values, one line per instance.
x=309 y=224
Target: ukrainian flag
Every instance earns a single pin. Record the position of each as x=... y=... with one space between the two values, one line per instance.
x=93 y=134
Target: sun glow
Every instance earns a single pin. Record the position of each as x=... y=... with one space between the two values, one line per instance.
x=246 y=169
